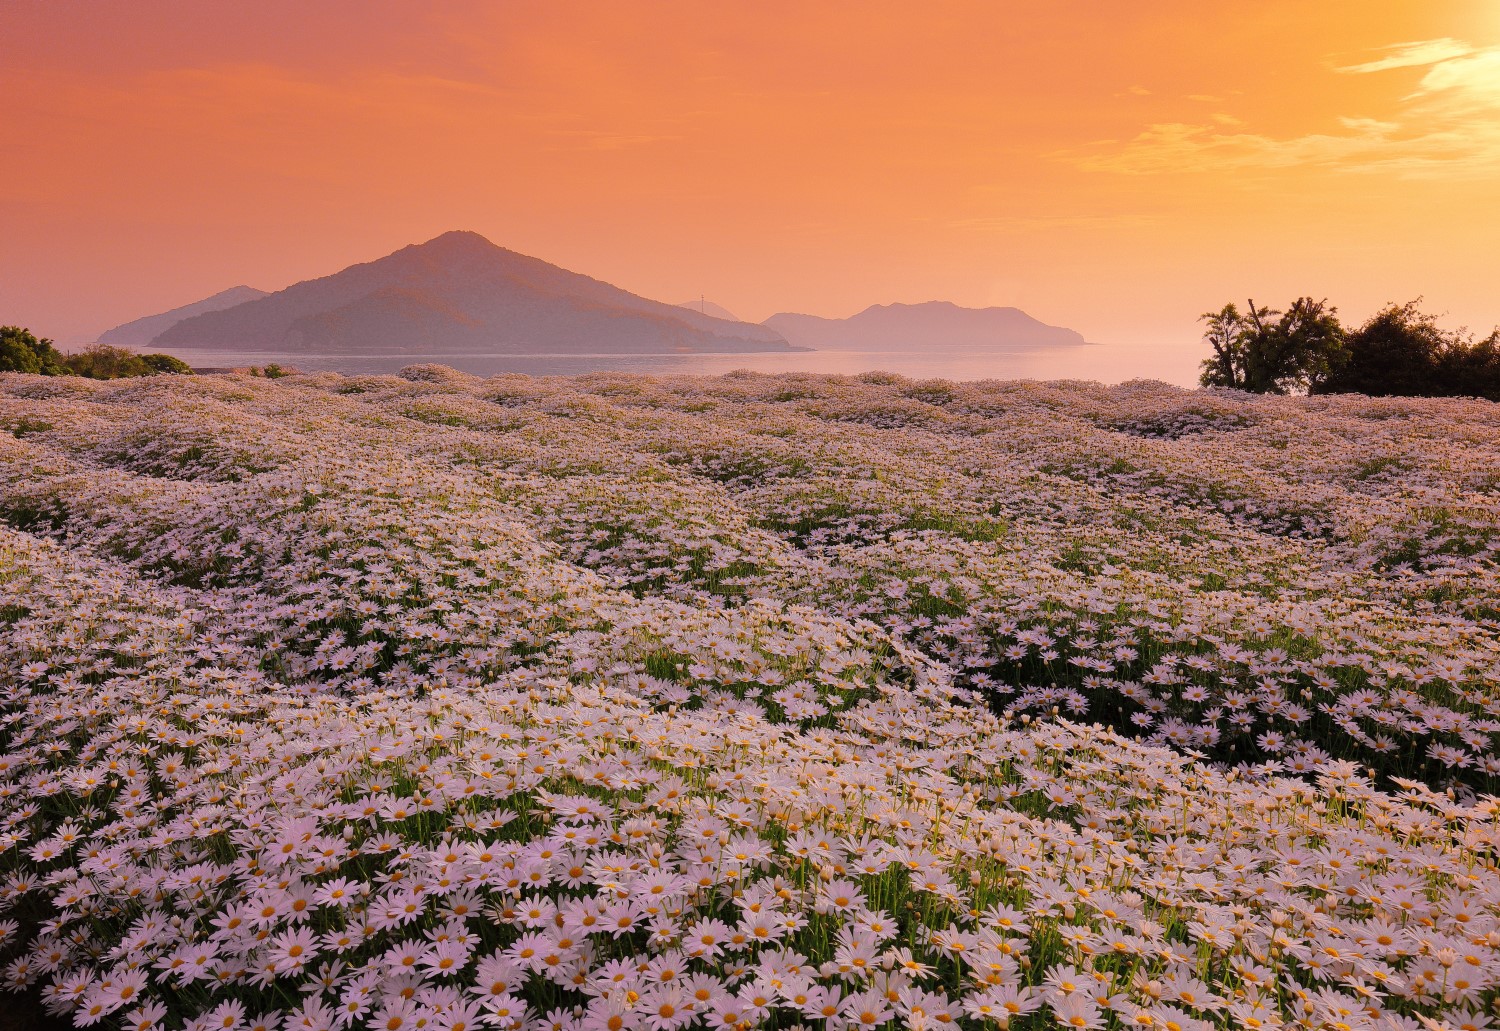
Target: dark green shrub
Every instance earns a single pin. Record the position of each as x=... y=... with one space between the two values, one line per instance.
x=101 y=361
x=166 y=363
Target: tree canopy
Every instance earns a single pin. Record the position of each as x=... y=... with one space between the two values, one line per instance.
x=1273 y=352
x=1398 y=351
x=1402 y=350
x=23 y=351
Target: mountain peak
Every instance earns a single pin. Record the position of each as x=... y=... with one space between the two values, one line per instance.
x=457 y=236
x=460 y=293
x=454 y=244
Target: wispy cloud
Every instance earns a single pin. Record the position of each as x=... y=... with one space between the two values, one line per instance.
x=1410 y=55
x=1190 y=147
x=1447 y=127
x=1470 y=82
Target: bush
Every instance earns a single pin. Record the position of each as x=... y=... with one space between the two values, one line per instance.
x=101 y=361
x=166 y=363
x=22 y=351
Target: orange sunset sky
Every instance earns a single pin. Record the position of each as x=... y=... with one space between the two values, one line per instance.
x=1116 y=167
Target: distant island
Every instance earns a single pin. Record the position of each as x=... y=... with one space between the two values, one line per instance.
x=460 y=293
x=890 y=327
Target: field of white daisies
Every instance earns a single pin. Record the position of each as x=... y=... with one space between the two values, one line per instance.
x=640 y=704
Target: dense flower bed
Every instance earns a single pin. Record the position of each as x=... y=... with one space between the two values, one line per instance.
x=627 y=703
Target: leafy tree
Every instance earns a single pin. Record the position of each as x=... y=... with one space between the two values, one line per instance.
x=1402 y=351
x=166 y=363
x=1226 y=334
x=1472 y=368
x=1396 y=351
x=1315 y=343
x=15 y=356
x=22 y=351
x=1272 y=352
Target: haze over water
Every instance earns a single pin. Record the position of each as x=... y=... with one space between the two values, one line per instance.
x=1102 y=362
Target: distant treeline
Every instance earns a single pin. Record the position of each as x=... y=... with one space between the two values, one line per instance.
x=1400 y=351
x=23 y=351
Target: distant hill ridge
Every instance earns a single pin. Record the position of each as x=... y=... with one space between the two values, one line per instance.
x=460 y=293
x=887 y=327
x=144 y=330
x=710 y=308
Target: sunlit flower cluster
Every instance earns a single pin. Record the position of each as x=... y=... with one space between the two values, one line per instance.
x=432 y=702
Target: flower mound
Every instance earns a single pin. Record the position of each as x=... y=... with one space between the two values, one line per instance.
x=430 y=702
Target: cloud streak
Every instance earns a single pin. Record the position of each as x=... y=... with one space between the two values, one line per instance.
x=1470 y=82
x=1410 y=55
x=1447 y=127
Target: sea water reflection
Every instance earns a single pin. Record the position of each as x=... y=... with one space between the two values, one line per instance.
x=1103 y=362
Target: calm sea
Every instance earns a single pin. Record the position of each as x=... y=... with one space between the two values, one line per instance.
x=1106 y=363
